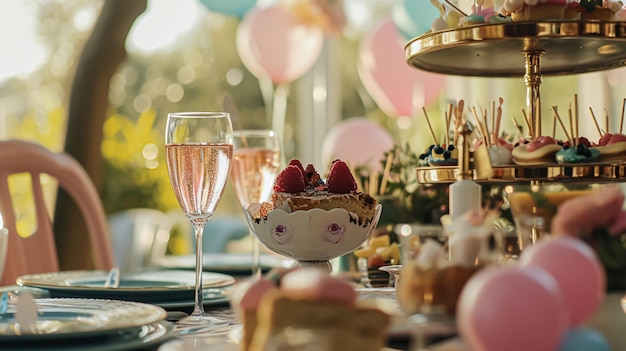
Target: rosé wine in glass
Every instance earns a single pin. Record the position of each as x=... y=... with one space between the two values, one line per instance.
x=199 y=149
x=256 y=162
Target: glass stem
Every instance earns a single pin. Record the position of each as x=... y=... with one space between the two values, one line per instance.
x=198 y=309
x=256 y=257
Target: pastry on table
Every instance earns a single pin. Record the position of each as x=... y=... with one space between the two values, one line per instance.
x=310 y=301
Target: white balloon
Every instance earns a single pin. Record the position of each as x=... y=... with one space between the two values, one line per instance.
x=358 y=142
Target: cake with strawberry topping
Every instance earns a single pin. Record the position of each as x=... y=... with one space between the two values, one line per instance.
x=321 y=309
x=300 y=189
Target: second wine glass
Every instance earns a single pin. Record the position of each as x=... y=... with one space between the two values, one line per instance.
x=199 y=149
x=256 y=162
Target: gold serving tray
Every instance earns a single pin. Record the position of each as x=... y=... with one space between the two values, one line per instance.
x=588 y=172
x=496 y=50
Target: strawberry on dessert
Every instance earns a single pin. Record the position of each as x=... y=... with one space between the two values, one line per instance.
x=538 y=151
x=612 y=147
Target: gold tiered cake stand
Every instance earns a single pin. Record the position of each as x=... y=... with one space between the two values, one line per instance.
x=527 y=49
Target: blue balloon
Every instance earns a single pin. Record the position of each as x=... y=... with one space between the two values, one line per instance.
x=584 y=339
x=414 y=17
x=237 y=8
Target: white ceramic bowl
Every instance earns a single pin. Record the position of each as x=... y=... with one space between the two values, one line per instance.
x=312 y=237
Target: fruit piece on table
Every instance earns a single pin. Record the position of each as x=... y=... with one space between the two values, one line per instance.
x=364 y=253
x=379 y=241
x=375 y=261
x=384 y=252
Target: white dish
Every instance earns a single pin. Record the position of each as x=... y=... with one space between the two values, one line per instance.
x=224 y=262
x=141 y=338
x=78 y=318
x=150 y=286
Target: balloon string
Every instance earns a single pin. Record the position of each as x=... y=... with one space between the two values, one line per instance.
x=279 y=111
x=267 y=91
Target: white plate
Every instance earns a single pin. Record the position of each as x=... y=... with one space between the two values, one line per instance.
x=143 y=337
x=150 y=286
x=225 y=263
x=78 y=318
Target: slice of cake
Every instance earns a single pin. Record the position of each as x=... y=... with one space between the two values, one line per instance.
x=310 y=306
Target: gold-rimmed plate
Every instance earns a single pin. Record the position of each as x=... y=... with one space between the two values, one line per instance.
x=149 y=286
x=77 y=319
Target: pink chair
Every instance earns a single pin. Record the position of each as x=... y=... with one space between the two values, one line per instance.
x=37 y=252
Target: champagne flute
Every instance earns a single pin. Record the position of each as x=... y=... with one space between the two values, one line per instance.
x=256 y=161
x=199 y=149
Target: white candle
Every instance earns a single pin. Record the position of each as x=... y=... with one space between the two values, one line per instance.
x=465 y=195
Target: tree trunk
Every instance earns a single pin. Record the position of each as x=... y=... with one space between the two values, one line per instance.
x=103 y=53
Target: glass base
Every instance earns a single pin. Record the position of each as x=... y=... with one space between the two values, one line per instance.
x=202 y=324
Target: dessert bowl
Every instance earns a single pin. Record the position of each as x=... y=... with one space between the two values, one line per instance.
x=315 y=236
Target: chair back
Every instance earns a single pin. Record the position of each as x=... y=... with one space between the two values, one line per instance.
x=37 y=252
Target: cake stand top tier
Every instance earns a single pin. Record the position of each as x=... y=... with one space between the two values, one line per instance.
x=496 y=50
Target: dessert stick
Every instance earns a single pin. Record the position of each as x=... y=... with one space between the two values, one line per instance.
x=453 y=6
x=606 y=120
x=498 y=119
x=458 y=119
x=493 y=122
x=556 y=114
x=386 y=171
x=528 y=124
x=446 y=135
x=430 y=127
x=576 y=119
x=621 y=120
x=373 y=183
x=480 y=125
x=517 y=126
x=595 y=121
x=571 y=125
x=554 y=128
x=488 y=135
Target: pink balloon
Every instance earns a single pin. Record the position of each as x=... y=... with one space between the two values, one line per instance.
x=357 y=141
x=511 y=309
x=398 y=89
x=273 y=44
x=577 y=270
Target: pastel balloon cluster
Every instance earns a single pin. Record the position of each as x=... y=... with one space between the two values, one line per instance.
x=273 y=43
x=538 y=304
x=397 y=88
x=359 y=142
